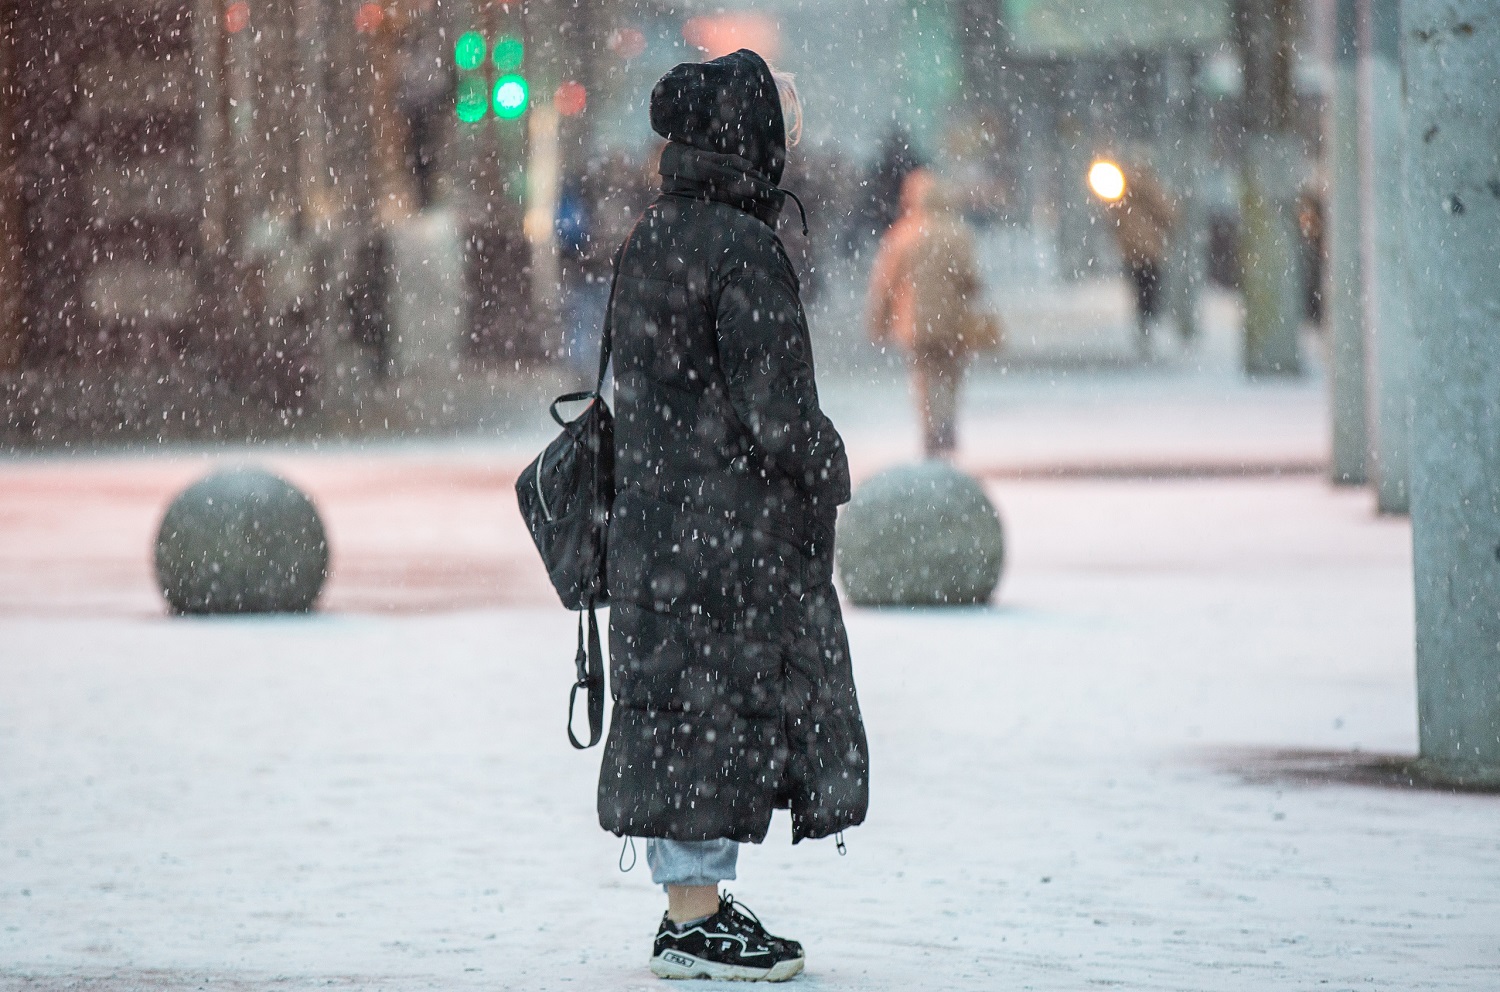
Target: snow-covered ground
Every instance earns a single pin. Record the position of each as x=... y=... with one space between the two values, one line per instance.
x=1158 y=762
x=1141 y=769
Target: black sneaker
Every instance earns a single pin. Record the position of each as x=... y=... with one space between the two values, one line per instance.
x=731 y=944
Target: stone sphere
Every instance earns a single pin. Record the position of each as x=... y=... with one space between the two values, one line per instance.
x=241 y=541
x=920 y=535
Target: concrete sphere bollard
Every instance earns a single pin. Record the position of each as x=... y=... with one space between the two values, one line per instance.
x=920 y=535
x=241 y=541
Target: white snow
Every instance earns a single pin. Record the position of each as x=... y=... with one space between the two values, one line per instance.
x=1126 y=774
x=1075 y=788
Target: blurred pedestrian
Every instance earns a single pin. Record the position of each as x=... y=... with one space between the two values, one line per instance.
x=733 y=689
x=425 y=92
x=595 y=212
x=1313 y=252
x=923 y=299
x=1144 y=220
x=896 y=159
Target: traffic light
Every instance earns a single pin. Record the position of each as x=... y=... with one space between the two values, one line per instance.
x=511 y=98
x=509 y=53
x=473 y=100
x=508 y=95
x=468 y=51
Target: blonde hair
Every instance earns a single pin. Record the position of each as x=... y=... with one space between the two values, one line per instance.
x=791 y=105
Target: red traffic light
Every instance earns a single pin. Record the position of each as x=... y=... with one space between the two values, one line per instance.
x=570 y=99
x=236 y=17
x=369 y=18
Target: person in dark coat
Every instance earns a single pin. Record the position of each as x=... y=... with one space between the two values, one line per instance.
x=733 y=689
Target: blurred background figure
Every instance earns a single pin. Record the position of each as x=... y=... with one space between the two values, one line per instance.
x=922 y=296
x=825 y=184
x=594 y=216
x=1312 y=249
x=1144 y=220
x=424 y=96
x=880 y=206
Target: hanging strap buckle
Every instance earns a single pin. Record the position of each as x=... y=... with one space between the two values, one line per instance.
x=590 y=669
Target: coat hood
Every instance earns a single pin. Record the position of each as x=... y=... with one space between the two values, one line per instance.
x=727 y=106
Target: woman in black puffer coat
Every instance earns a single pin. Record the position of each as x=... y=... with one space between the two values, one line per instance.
x=732 y=684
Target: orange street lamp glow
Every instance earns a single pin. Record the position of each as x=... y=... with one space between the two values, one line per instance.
x=1106 y=180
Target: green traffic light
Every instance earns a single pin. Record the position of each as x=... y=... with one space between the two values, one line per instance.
x=473 y=99
x=468 y=51
x=509 y=53
x=511 y=97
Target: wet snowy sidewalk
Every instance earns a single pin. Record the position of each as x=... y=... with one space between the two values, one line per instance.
x=1127 y=774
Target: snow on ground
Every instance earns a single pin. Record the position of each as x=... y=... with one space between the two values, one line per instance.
x=1103 y=781
x=1156 y=763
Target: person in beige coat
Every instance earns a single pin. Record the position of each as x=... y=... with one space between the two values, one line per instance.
x=1145 y=217
x=922 y=296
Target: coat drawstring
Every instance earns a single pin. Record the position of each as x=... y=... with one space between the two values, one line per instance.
x=838 y=842
x=800 y=209
x=630 y=846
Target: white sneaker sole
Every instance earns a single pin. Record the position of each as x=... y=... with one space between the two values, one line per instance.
x=675 y=964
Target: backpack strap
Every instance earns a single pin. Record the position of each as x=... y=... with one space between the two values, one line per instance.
x=607 y=341
x=589 y=661
x=590 y=665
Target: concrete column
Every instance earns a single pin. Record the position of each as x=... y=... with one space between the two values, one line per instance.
x=544 y=168
x=217 y=227
x=1451 y=56
x=317 y=204
x=220 y=318
x=1343 y=290
x=554 y=33
x=1182 y=137
x=1269 y=238
x=12 y=219
x=275 y=97
x=1382 y=207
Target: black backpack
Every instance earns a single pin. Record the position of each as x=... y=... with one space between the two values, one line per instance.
x=565 y=496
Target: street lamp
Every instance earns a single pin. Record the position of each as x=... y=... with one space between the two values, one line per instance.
x=1106 y=180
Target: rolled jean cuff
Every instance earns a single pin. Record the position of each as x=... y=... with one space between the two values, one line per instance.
x=691 y=862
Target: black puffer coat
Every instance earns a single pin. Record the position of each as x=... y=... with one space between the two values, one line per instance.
x=732 y=683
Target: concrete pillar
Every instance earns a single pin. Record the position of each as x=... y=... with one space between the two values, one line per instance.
x=1269 y=239
x=1451 y=56
x=544 y=168
x=1382 y=207
x=554 y=31
x=12 y=219
x=217 y=228
x=318 y=200
x=1181 y=137
x=220 y=317
x=317 y=204
x=1343 y=291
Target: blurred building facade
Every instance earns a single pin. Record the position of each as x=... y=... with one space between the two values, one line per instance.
x=223 y=217
x=201 y=200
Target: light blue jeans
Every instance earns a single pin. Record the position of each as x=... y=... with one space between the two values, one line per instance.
x=691 y=862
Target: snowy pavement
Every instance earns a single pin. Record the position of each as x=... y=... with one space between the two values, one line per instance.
x=1169 y=757
x=1154 y=764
